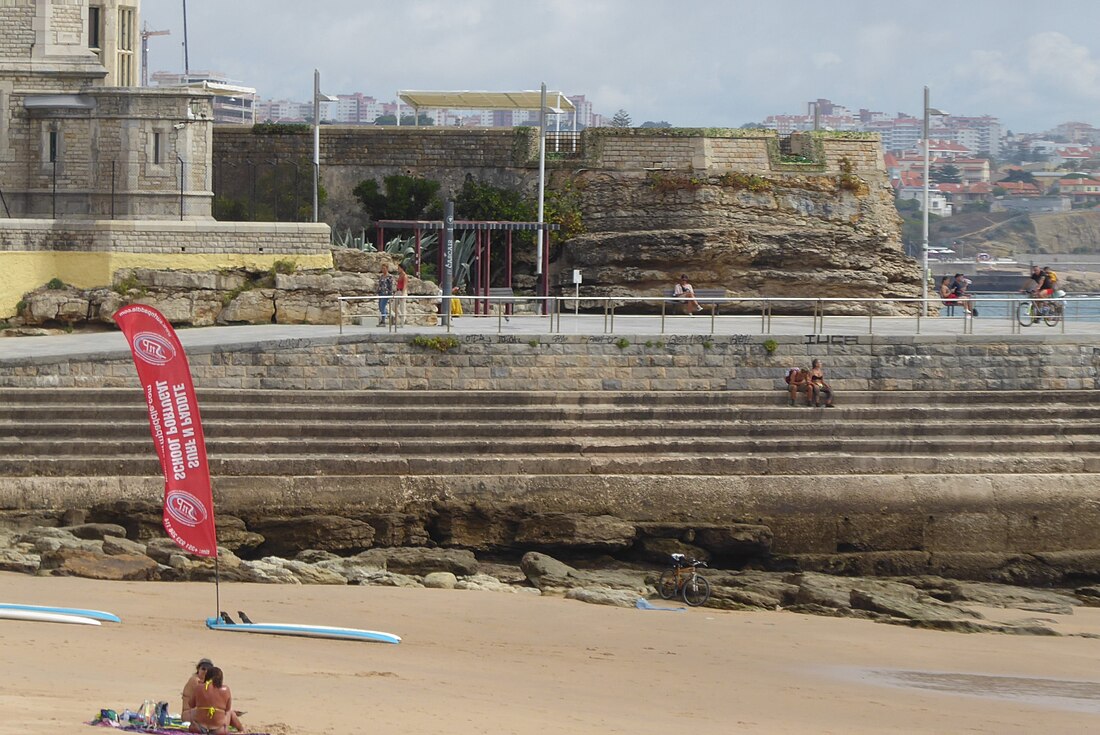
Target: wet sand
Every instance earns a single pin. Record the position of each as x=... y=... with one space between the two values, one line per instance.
x=482 y=662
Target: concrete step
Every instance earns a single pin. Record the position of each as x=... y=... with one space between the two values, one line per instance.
x=138 y=428
x=133 y=396
x=686 y=414
x=687 y=464
x=464 y=447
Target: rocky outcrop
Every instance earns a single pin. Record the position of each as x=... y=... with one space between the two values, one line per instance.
x=774 y=234
x=234 y=296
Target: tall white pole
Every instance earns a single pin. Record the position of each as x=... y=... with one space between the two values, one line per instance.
x=542 y=171
x=924 y=217
x=316 y=137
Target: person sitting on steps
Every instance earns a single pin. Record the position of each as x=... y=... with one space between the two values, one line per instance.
x=818 y=386
x=798 y=380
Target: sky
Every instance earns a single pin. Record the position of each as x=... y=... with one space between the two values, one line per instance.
x=692 y=63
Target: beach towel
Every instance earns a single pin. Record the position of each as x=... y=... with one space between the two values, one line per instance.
x=644 y=604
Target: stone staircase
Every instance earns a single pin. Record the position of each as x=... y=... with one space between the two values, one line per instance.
x=981 y=471
x=98 y=432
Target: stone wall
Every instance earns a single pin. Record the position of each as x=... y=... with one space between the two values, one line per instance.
x=610 y=362
x=86 y=254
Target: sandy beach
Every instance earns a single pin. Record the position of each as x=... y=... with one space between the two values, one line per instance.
x=483 y=662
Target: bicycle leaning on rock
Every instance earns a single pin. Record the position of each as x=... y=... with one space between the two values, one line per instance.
x=683 y=579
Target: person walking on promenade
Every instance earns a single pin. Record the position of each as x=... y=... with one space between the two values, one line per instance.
x=386 y=288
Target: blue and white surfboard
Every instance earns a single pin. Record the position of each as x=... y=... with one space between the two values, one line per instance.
x=305 y=631
x=80 y=612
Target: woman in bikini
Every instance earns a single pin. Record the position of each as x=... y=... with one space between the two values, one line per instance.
x=818 y=386
x=212 y=705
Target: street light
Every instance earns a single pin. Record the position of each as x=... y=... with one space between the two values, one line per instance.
x=318 y=98
x=928 y=111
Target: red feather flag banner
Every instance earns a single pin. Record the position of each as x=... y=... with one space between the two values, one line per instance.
x=175 y=425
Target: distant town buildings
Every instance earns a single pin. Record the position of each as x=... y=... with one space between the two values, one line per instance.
x=233 y=103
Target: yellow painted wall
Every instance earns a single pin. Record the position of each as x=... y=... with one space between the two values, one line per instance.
x=21 y=272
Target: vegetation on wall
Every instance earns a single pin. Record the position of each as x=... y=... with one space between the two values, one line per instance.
x=400 y=197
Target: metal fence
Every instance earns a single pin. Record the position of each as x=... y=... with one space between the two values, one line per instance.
x=1010 y=314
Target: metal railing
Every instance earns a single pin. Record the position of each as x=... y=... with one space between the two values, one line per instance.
x=855 y=315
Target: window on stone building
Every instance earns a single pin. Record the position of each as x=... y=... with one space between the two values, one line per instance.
x=95 y=29
x=125 y=68
x=158 y=148
x=53 y=146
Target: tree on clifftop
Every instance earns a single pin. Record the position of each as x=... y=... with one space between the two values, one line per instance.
x=659 y=124
x=621 y=120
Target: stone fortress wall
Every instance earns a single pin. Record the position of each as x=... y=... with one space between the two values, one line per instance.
x=391 y=362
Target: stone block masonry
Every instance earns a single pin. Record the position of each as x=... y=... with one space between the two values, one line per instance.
x=390 y=362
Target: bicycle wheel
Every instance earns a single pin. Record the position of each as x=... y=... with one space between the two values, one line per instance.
x=1052 y=315
x=666 y=585
x=696 y=591
x=1025 y=313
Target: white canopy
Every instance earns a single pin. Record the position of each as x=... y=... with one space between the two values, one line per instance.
x=525 y=100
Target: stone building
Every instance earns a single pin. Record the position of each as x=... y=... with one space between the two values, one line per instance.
x=110 y=174
x=78 y=139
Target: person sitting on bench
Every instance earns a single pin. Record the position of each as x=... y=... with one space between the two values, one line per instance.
x=685 y=291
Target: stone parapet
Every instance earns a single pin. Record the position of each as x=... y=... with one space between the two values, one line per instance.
x=604 y=362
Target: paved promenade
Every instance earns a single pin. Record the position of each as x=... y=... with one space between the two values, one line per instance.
x=62 y=345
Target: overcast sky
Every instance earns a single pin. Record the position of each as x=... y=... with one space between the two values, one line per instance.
x=692 y=62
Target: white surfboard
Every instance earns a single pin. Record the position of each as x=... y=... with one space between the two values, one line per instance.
x=46 y=617
x=306 y=631
x=81 y=612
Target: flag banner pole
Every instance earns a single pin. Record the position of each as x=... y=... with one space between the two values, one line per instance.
x=176 y=427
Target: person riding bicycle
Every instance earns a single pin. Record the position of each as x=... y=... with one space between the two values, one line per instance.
x=1044 y=282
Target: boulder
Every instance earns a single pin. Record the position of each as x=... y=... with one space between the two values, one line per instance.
x=67 y=562
x=909 y=605
x=399 y=529
x=541 y=570
x=1007 y=596
x=234 y=535
x=420 y=561
x=15 y=561
x=307 y=573
x=440 y=580
x=486 y=582
x=96 y=531
x=116 y=545
x=603 y=596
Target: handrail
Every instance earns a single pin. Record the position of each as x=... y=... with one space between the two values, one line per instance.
x=818 y=311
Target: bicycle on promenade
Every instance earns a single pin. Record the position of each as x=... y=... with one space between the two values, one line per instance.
x=683 y=579
x=1051 y=310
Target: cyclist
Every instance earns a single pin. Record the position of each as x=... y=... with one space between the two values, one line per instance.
x=1049 y=284
x=1036 y=279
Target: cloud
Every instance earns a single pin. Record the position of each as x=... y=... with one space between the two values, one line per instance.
x=824 y=59
x=1059 y=64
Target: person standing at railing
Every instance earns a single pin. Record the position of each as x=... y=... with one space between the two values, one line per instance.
x=385 y=293
x=402 y=291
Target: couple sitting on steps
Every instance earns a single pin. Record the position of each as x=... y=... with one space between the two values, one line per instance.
x=811 y=382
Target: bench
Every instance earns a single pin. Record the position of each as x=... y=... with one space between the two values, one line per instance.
x=502 y=297
x=700 y=295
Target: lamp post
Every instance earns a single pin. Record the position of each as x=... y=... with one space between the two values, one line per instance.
x=928 y=111
x=318 y=98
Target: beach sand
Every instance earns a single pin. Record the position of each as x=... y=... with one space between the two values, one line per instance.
x=485 y=662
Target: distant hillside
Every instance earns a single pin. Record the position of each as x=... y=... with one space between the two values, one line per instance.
x=1007 y=234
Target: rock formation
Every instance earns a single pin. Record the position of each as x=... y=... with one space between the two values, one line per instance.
x=230 y=296
x=773 y=235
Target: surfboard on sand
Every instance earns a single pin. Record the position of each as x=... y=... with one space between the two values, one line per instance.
x=80 y=612
x=46 y=617
x=307 y=631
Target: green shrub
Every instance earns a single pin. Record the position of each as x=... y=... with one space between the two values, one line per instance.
x=20 y=307
x=55 y=284
x=533 y=343
x=284 y=267
x=127 y=284
x=442 y=344
x=740 y=180
x=622 y=343
x=770 y=345
x=707 y=344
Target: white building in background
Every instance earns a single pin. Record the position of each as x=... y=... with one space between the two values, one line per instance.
x=234 y=103
x=282 y=111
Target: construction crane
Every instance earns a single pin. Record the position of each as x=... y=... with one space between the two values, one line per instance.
x=146 y=34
